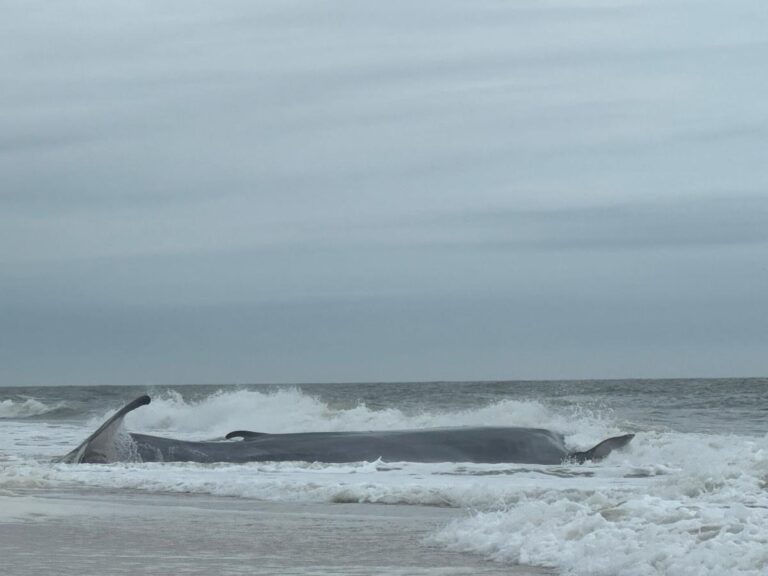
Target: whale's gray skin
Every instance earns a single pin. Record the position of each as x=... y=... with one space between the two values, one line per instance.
x=466 y=444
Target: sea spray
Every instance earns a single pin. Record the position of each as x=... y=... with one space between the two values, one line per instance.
x=293 y=410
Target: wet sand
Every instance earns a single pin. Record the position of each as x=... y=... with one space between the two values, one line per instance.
x=106 y=533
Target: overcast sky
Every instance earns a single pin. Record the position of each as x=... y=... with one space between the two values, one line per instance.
x=303 y=191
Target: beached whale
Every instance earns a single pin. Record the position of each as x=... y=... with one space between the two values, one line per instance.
x=462 y=444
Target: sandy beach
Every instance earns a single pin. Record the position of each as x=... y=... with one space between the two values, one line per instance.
x=109 y=533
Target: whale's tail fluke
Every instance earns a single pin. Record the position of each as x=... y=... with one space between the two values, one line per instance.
x=100 y=445
x=603 y=449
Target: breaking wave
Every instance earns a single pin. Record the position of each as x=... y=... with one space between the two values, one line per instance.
x=292 y=410
x=30 y=408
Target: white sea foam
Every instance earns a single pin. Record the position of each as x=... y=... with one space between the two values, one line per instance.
x=706 y=512
x=447 y=484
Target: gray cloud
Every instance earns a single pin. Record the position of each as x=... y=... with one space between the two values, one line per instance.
x=701 y=221
x=305 y=191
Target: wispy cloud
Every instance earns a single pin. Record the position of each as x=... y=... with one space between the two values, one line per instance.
x=434 y=189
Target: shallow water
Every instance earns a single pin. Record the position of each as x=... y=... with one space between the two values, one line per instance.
x=107 y=532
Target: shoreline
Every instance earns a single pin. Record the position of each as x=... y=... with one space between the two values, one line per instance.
x=110 y=532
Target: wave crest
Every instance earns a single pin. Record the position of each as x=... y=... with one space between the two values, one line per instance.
x=294 y=410
x=27 y=408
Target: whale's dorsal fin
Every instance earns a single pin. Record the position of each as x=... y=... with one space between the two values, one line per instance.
x=95 y=448
x=603 y=449
x=244 y=434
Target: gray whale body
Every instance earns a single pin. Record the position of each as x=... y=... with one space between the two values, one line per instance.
x=461 y=444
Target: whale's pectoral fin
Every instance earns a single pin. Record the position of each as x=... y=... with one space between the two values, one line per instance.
x=603 y=449
x=245 y=434
x=97 y=447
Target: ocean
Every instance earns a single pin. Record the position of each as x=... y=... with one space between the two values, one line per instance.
x=688 y=496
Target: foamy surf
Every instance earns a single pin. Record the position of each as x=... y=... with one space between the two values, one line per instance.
x=703 y=510
x=674 y=503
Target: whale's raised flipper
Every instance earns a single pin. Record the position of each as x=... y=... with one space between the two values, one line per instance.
x=244 y=434
x=99 y=445
x=603 y=449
